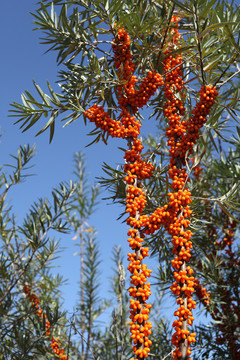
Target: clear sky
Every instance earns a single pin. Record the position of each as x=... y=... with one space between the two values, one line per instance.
x=23 y=60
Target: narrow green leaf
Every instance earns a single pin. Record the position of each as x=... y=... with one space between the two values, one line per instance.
x=180 y=5
x=207 y=6
x=231 y=38
x=52 y=128
x=48 y=124
x=215 y=26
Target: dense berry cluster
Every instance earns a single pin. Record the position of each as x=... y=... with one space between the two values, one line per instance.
x=201 y=293
x=130 y=99
x=182 y=135
x=55 y=343
x=181 y=198
x=197 y=171
x=136 y=169
x=127 y=93
x=104 y=122
x=227 y=241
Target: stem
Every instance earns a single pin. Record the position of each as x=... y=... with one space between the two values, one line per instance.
x=82 y=284
x=69 y=336
x=89 y=330
x=121 y=313
x=90 y=349
x=116 y=333
x=164 y=37
x=225 y=70
x=199 y=47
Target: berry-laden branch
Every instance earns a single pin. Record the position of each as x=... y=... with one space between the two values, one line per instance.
x=55 y=343
x=136 y=169
x=182 y=135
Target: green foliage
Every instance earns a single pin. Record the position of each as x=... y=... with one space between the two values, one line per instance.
x=27 y=251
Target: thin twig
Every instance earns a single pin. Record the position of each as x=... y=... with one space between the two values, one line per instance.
x=90 y=349
x=199 y=46
x=168 y=355
x=224 y=72
x=157 y=5
x=218 y=85
x=116 y=334
x=69 y=336
x=18 y=277
x=164 y=38
x=82 y=283
x=121 y=279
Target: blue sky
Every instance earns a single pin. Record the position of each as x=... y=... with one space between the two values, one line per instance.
x=22 y=61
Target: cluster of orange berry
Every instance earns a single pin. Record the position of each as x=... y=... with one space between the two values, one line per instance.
x=128 y=96
x=56 y=348
x=127 y=93
x=197 y=170
x=136 y=169
x=202 y=293
x=227 y=241
x=182 y=135
x=140 y=327
x=55 y=343
x=104 y=122
x=179 y=200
